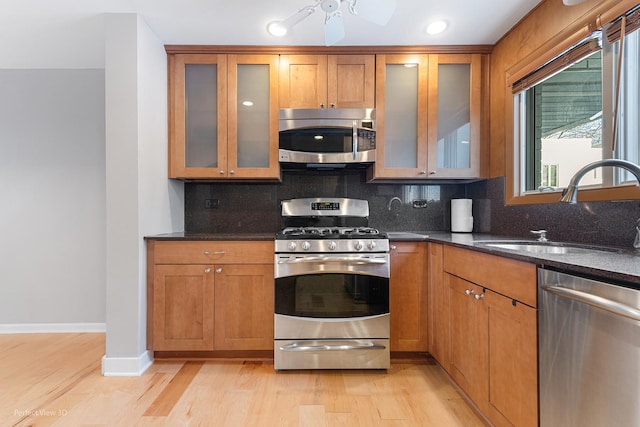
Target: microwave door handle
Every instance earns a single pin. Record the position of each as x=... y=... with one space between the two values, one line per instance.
x=354 y=138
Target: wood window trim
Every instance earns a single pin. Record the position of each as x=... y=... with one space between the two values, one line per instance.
x=592 y=20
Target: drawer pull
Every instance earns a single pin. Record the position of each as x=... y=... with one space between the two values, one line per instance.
x=214 y=253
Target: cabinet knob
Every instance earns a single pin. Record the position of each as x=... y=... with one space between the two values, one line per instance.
x=423 y=172
x=218 y=270
x=469 y=291
x=207 y=270
x=333 y=105
x=221 y=172
x=232 y=171
x=432 y=172
x=322 y=105
x=393 y=247
x=479 y=297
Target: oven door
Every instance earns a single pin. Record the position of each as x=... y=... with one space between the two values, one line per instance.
x=332 y=296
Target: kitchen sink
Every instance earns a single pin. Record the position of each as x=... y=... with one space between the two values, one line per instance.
x=556 y=248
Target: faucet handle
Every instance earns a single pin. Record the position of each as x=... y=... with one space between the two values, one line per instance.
x=542 y=235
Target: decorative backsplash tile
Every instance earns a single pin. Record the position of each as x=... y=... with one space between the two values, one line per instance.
x=255 y=208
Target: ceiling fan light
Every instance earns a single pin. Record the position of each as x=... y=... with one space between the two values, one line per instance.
x=436 y=27
x=276 y=29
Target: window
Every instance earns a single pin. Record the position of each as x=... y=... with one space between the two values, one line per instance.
x=564 y=113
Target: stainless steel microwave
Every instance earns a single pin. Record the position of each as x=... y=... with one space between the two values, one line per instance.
x=327 y=137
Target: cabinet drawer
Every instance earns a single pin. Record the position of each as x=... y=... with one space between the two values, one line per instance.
x=213 y=252
x=508 y=277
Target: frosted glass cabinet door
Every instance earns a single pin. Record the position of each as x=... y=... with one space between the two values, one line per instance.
x=197 y=115
x=401 y=112
x=454 y=115
x=253 y=116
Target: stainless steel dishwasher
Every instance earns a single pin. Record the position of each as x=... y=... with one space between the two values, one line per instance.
x=589 y=352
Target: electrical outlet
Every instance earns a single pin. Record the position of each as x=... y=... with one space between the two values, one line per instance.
x=419 y=204
x=211 y=203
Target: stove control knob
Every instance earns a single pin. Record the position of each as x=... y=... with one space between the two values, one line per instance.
x=306 y=246
x=292 y=246
x=332 y=246
x=358 y=246
x=371 y=245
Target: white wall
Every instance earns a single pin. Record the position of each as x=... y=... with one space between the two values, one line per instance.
x=52 y=206
x=140 y=198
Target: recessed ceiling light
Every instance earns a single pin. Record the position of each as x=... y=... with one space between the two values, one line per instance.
x=436 y=27
x=276 y=29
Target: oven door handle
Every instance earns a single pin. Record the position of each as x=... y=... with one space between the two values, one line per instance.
x=331 y=347
x=312 y=259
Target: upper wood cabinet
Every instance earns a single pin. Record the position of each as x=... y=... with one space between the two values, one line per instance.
x=316 y=81
x=223 y=116
x=428 y=110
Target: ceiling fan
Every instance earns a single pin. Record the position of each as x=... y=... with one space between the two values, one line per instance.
x=376 y=11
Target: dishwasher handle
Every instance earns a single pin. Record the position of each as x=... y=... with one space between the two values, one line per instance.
x=595 y=301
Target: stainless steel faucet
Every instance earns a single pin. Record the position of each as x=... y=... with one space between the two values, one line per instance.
x=392 y=200
x=570 y=194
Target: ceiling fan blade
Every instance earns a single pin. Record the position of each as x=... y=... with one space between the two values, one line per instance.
x=376 y=11
x=333 y=28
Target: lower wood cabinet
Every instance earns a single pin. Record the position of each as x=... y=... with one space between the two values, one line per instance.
x=486 y=339
x=210 y=307
x=408 y=296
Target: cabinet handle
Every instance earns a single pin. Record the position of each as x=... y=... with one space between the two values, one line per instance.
x=214 y=253
x=207 y=270
x=393 y=247
x=218 y=270
x=469 y=291
x=479 y=297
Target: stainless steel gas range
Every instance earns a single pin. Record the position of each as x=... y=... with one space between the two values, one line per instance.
x=331 y=287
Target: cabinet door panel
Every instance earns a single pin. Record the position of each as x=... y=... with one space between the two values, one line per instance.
x=351 y=81
x=468 y=339
x=401 y=113
x=197 y=115
x=244 y=307
x=253 y=114
x=513 y=385
x=438 y=299
x=455 y=94
x=408 y=297
x=183 y=307
x=303 y=81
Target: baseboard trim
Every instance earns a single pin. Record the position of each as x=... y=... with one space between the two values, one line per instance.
x=126 y=366
x=51 y=328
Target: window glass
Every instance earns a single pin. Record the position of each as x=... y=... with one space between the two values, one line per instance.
x=565 y=121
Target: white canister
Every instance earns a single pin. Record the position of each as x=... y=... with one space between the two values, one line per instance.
x=461 y=215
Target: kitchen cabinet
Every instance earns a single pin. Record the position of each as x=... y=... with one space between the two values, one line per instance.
x=317 y=81
x=428 y=110
x=408 y=296
x=223 y=116
x=493 y=336
x=438 y=306
x=208 y=296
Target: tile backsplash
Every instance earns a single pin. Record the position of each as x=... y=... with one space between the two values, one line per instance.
x=255 y=208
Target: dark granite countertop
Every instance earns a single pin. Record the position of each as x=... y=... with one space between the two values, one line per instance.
x=621 y=266
x=181 y=235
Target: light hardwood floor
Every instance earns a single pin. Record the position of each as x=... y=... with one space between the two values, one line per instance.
x=55 y=380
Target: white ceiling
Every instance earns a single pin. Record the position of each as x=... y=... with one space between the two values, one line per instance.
x=70 y=33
